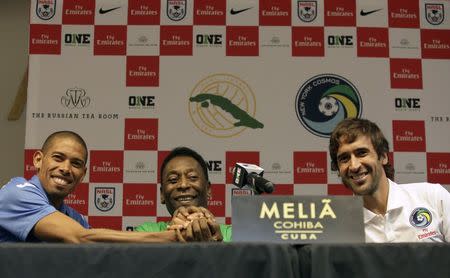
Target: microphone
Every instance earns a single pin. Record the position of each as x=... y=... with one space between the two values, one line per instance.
x=250 y=175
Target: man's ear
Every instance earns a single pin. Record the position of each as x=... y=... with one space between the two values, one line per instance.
x=384 y=159
x=208 y=190
x=37 y=159
x=161 y=196
x=84 y=174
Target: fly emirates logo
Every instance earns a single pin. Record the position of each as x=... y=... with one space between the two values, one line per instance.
x=310 y=167
x=110 y=40
x=442 y=168
x=408 y=136
x=140 y=135
x=106 y=167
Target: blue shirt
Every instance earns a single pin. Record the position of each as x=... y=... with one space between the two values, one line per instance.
x=22 y=204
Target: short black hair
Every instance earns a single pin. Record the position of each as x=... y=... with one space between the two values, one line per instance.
x=184 y=151
x=65 y=134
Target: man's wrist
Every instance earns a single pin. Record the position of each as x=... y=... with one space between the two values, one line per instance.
x=164 y=236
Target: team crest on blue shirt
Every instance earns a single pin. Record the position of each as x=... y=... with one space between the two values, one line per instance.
x=105 y=198
x=420 y=217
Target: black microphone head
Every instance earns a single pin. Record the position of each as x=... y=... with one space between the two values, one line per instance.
x=241 y=171
x=245 y=174
x=269 y=187
x=261 y=185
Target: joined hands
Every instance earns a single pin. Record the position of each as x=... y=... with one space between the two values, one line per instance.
x=195 y=224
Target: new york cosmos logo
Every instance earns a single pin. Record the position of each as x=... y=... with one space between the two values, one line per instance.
x=420 y=218
x=223 y=105
x=325 y=100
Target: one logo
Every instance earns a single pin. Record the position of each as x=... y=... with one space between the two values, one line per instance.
x=176 y=9
x=208 y=39
x=214 y=165
x=222 y=105
x=307 y=10
x=325 y=100
x=340 y=40
x=77 y=39
x=233 y=11
x=45 y=9
x=420 y=218
x=141 y=102
x=404 y=104
x=364 y=13
x=434 y=13
x=103 y=11
x=75 y=98
x=105 y=198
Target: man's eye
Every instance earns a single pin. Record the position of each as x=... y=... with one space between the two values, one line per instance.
x=362 y=153
x=342 y=159
x=77 y=164
x=58 y=158
x=172 y=180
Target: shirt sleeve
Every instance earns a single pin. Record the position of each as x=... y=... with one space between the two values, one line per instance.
x=75 y=215
x=22 y=205
x=226 y=231
x=152 y=227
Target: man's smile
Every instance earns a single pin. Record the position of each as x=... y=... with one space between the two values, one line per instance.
x=185 y=198
x=61 y=180
x=359 y=178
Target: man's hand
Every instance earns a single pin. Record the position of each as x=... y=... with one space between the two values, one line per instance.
x=195 y=224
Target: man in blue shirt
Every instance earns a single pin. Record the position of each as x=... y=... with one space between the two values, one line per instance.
x=34 y=210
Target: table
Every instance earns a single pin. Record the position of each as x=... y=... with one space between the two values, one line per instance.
x=230 y=260
x=375 y=260
x=148 y=260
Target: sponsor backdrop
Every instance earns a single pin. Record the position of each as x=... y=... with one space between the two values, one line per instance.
x=262 y=82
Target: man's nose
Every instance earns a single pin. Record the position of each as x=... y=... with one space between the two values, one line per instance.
x=184 y=183
x=64 y=166
x=354 y=163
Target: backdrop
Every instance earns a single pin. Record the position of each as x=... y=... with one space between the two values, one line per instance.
x=261 y=82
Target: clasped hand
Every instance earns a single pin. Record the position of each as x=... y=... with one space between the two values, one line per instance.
x=195 y=224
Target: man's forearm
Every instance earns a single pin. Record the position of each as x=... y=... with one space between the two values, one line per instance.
x=105 y=235
x=58 y=227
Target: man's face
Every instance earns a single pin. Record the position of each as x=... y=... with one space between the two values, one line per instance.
x=359 y=165
x=61 y=167
x=184 y=184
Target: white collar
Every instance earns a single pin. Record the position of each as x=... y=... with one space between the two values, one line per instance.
x=393 y=202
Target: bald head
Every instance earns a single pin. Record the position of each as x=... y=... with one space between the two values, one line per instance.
x=52 y=138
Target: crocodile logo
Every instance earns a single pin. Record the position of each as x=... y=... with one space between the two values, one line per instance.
x=222 y=105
